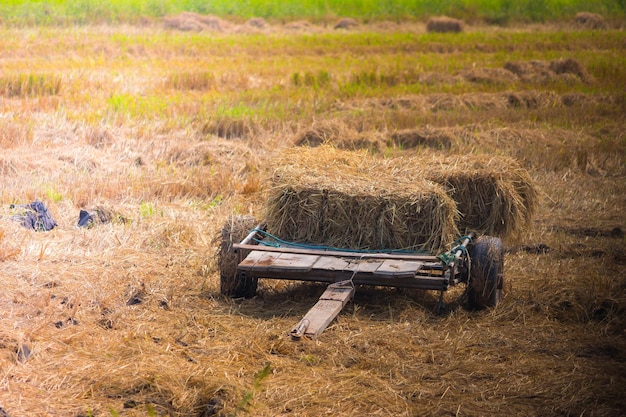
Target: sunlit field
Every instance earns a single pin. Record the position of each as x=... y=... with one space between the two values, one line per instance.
x=171 y=122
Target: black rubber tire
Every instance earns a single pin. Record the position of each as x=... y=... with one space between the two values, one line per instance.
x=486 y=281
x=233 y=283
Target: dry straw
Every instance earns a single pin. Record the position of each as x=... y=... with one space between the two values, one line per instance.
x=444 y=24
x=587 y=20
x=328 y=196
x=352 y=199
x=494 y=195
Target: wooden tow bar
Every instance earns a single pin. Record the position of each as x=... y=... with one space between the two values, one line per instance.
x=330 y=304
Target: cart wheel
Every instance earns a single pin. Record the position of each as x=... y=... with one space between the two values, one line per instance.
x=232 y=283
x=486 y=273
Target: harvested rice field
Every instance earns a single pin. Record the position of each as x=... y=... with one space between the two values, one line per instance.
x=152 y=133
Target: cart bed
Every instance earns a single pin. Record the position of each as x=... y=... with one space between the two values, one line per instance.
x=408 y=271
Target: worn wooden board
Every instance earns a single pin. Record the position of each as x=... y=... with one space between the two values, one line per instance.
x=258 y=260
x=398 y=268
x=365 y=266
x=331 y=263
x=262 y=261
x=323 y=312
x=294 y=262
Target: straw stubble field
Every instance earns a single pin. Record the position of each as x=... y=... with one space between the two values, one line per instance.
x=172 y=131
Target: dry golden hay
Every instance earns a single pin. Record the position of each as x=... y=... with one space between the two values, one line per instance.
x=444 y=102
x=257 y=22
x=432 y=78
x=489 y=76
x=414 y=138
x=333 y=197
x=234 y=231
x=484 y=101
x=335 y=133
x=397 y=103
x=346 y=23
x=570 y=66
x=494 y=195
x=326 y=132
x=300 y=25
x=188 y=21
x=530 y=99
x=230 y=128
x=589 y=20
x=576 y=99
x=543 y=71
x=368 y=142
x=444 y=24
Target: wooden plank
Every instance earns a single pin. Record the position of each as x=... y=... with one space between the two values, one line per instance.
x=323 y=312
x=257 y=259
x=365 y=266
x=399 y=268
x=261 y=261
x=338 y=293
x=331 y=263
x=294 y=262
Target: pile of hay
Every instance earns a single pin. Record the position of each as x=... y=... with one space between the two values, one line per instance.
x=444 y=24
x=327 y=196
x=425 y=137
x=542 y=71
x=346 y=23
x=189 y=21
x=588 y=20
x=257 y=22
x=336 y=133
x=494 y=195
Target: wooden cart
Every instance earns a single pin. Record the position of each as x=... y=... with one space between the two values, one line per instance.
x=477 y=262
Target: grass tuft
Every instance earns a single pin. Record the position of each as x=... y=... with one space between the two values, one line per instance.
x=30 y=85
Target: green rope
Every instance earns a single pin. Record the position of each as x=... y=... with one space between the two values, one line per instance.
x=449 y=257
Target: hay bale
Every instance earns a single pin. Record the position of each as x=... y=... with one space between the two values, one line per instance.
x=189 y=21
x=589 y=20
x=542 y=71
x=570 y=66
x=346 y=23
x=333 y=197
x=531 y=71
x=444 y=24
x=493 y=195
x=257 y=22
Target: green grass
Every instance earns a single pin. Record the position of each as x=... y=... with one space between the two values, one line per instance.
x=29 y=85
x=192 y=78
x=496 y=11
